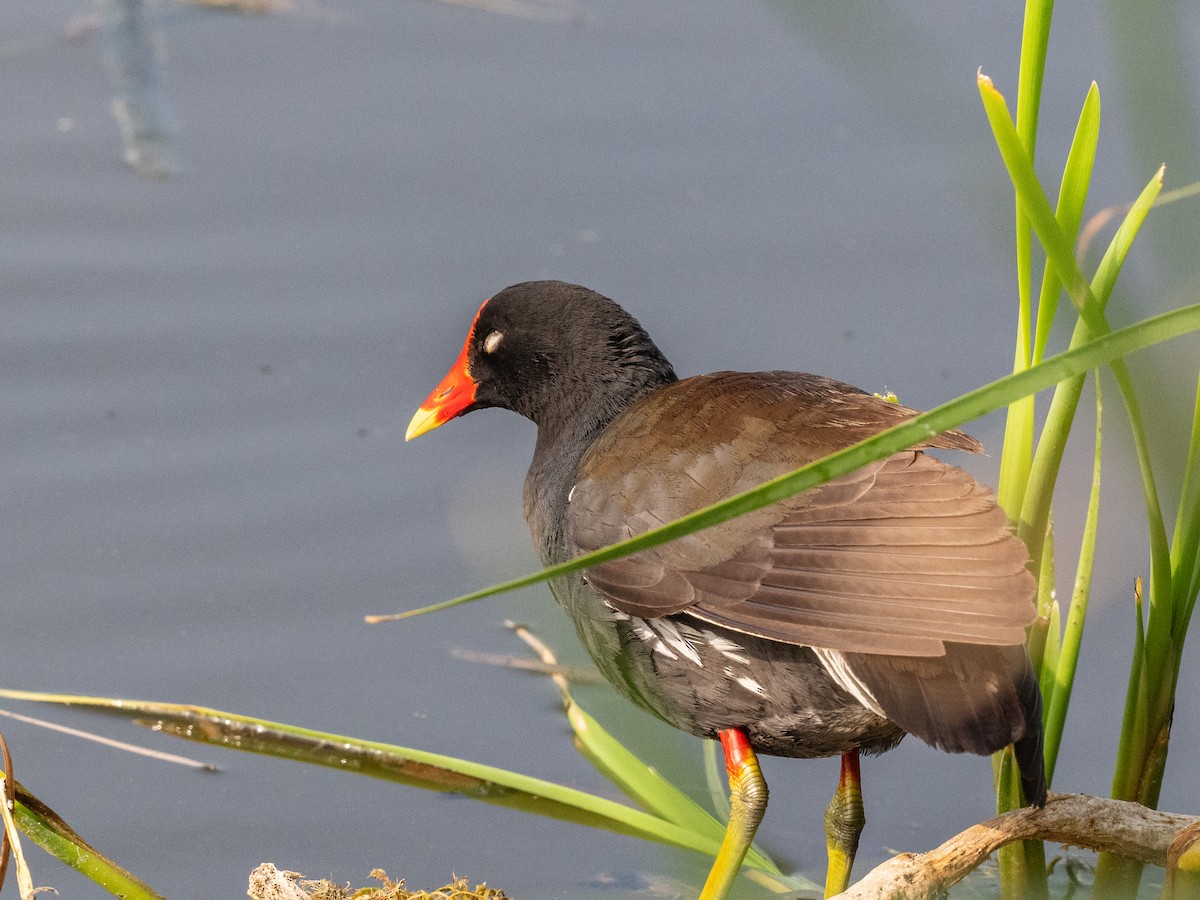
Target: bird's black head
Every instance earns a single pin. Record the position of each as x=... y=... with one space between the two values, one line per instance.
x=556 y=353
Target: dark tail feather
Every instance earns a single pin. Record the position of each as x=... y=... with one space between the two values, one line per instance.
x=1028 y=750
x=975 y=699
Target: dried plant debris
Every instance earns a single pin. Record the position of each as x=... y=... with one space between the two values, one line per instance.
x=249 y=7
x=269 y=883
x=538 y=10
x=134 y=48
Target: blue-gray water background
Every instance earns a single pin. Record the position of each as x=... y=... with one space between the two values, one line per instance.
x=204 y=382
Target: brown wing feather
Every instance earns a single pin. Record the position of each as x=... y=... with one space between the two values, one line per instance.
x=894 y=558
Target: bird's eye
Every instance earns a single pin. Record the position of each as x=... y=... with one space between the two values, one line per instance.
x=491 y=343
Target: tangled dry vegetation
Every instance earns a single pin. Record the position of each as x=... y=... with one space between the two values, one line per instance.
x=269 y=883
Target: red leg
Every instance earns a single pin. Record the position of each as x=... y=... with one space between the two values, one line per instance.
x=747 y=803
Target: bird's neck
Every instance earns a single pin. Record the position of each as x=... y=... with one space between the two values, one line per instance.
x=556 y=456
x=561 y=445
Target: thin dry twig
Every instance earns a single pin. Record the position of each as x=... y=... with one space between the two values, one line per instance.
x=538 y=10
x=1097 y=823
x=547 y=656
x=10 y=800
x=248 y=7
x=11 y=837
x=110 y=742
x=1093 y=226
x=574 y=673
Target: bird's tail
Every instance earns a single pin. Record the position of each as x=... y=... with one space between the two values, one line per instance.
x=1028 y=749
x=975 y=699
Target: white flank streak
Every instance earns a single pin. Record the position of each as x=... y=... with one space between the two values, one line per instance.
x=752 y=686
x=643 y=630
x=727 y=648
x=835 y=664
x=671 y=634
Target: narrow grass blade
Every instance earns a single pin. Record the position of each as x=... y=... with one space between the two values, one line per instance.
x=1152 y=691
x=1072 y=195
x=1059 y=699
x=416 y=768
x=47 y=829
x=1016 y=455
x=1035 y=512
x=1128 y=751
x=1118 y=247
x=640 y=782
x=1016 y=461
x=1118 y=876
x=10 y=840
x=1051 y=652
x=1039 y=631
x=1017 y=452
x=715 y=780
x=1018 y=872
x=1091 y=311
x=969 y=406
x=649 y=789
x=1035 y=37
x=1041 y=217
x=1185 y=547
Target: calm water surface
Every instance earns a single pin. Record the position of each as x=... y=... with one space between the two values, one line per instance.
x=205 y=381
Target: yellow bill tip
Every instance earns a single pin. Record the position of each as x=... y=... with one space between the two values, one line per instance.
x=424 y=420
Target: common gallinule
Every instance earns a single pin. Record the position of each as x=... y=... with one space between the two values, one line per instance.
x=891 y=600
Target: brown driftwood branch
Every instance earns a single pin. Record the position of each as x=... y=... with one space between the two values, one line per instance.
x=1097 y=823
